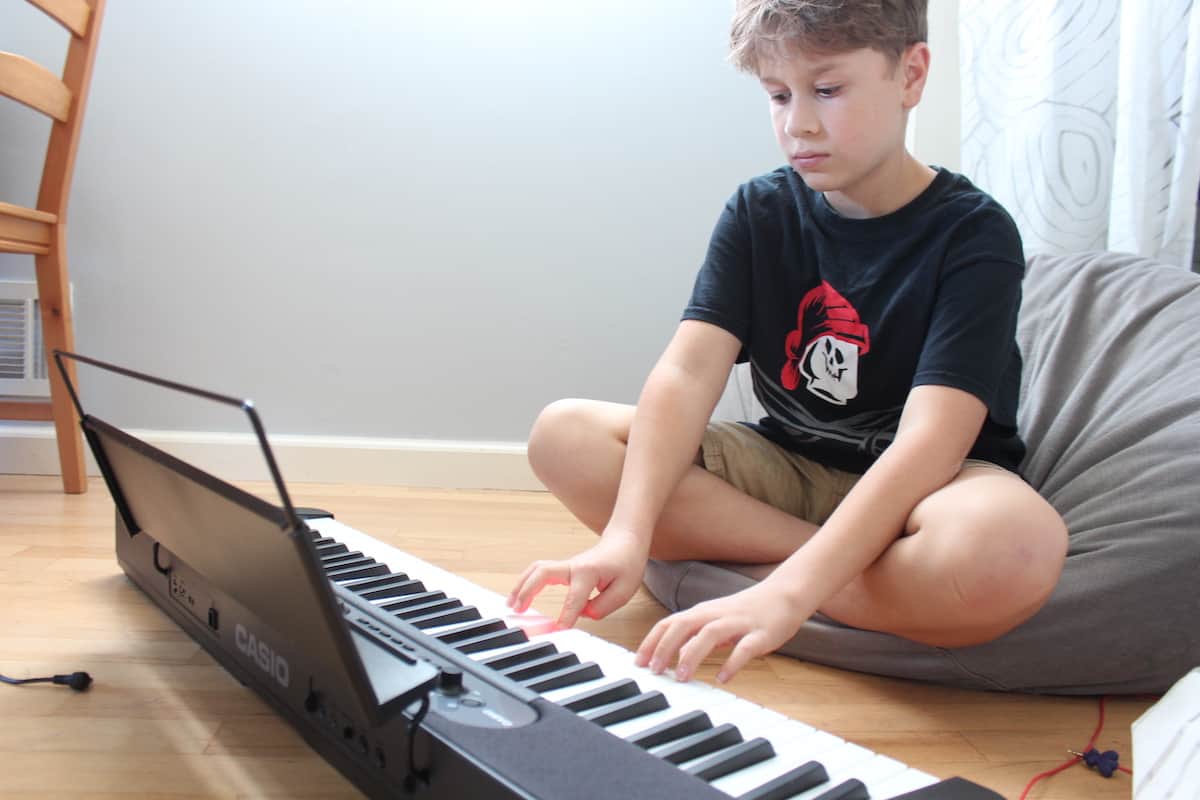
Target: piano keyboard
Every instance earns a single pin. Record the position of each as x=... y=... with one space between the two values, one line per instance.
x=740 y=748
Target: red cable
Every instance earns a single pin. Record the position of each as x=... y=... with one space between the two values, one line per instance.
x=1074 y=759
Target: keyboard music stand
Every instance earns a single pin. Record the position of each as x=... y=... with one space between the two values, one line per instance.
x=258 y=554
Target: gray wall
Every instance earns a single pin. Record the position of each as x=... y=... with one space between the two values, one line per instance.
x=389 y=217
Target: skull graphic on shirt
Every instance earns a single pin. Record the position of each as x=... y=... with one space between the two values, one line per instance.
x=826 y=346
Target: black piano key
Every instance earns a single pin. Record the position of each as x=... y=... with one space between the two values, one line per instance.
x=492 y=641
x=672 y=729
x=367 y=584
x=373 y=583
x=699 y=744
x=351 y=557
x=790 y=783
x=440 y=618
x=853 y=789
x=602 y=695
x=361 y=561
x=410 y=600
x=414 y=610
x=394 y=589
x=731 y=759
x=471 y=631
x=630 y=708
x=318 y=539
x=540 y=666
x=341 y=573
x=384 y=587
x=505 y=660
x=331 y=548
x=567 y=676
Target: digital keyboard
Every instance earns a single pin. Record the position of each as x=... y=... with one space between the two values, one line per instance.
x=519 y=709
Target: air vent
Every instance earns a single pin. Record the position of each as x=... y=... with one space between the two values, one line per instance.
x=22 y=359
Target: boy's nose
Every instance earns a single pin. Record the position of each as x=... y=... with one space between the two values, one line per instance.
x=801 y=122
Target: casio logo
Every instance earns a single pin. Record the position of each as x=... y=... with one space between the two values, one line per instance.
x=261 y=654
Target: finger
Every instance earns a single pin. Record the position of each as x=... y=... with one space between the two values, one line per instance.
x=545 y=573
x=524 y=576
x=749 y=647
x=696 y=649
x=682 y=627
x=646 y=649
x=580 y=589
x=610 y=598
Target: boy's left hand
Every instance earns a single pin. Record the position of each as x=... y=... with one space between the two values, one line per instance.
x=756 y=621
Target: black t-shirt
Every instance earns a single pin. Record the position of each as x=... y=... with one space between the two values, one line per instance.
x=840 y=318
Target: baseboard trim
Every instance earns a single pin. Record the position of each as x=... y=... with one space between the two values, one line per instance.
x=27 y=449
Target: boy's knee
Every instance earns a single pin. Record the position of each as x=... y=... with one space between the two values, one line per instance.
x=1015 y=568
x=565 y=431
x=555 y=422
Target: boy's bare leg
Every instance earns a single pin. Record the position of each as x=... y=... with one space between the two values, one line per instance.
x=977 y=557
x=577 y=449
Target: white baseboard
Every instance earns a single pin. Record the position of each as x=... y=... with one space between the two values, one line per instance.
x=30 y=450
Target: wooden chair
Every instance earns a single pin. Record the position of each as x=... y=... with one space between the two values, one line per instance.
x=42 y=231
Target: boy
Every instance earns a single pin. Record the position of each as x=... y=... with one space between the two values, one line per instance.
x=876 y=299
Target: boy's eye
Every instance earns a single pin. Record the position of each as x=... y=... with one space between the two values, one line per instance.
x=827 y=91
x=779 y=97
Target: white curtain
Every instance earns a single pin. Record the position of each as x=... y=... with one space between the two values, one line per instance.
x=1079 y=116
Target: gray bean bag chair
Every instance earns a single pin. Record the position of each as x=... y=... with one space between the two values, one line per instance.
x=1110 y=408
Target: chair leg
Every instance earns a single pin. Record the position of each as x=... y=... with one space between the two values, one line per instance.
x=54 y=300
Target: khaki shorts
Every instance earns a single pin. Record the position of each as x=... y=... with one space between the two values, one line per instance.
x=790 y=482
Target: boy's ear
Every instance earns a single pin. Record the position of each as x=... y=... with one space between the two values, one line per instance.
x=915 y=66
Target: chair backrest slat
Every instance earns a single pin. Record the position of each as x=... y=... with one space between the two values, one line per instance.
x=74 y=15
x=32 y=84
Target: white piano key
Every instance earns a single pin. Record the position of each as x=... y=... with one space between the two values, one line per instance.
x=908 y=781
x=759 y=721
x=872 y=772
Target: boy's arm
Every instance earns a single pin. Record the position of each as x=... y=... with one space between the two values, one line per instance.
x=937 y=428
x=674 y=407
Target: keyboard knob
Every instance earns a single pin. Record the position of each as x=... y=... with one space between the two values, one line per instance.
x=450 y=681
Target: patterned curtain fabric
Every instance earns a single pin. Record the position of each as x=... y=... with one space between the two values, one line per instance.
x=1080 y=116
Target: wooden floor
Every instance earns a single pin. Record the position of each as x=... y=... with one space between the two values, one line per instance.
x=162 y=720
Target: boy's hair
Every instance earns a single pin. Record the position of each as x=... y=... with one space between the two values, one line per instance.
x=774 y=27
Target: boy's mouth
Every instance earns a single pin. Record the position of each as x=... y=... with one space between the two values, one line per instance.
x=808 y=159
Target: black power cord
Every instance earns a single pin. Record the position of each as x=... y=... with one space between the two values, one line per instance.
x=79 y=681
x=416 y=777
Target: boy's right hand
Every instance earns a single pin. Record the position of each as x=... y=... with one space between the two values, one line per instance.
x=613 y=567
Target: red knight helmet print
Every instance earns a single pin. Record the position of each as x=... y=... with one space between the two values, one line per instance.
x=825 y=347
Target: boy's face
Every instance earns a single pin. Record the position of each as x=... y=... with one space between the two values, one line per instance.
x=840 y=121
